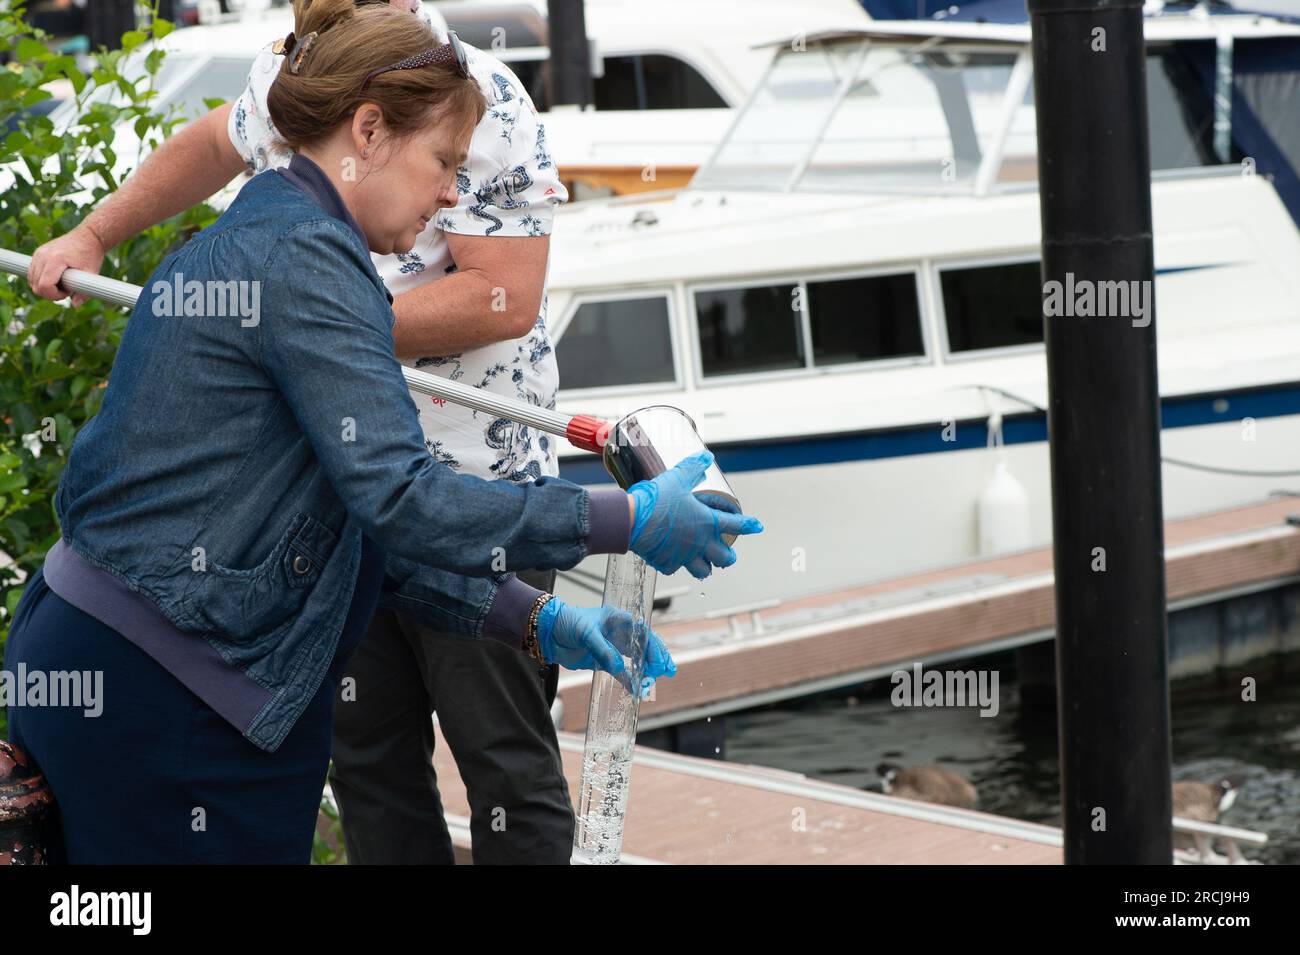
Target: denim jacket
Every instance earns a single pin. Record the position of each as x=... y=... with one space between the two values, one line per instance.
x=241 y=451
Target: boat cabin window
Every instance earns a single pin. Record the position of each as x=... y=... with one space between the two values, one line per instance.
x=634 y=82
x=222 y=77
x=992 y=306
x=654 y=81
x=864 y=319
x=799 y=325
x=534 y=75
x=494 y=27
x=750 y=329
x=1180 y=114
x=617 y=342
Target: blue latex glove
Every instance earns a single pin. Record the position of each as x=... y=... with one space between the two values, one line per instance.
x=673 y=528
x=596 y=638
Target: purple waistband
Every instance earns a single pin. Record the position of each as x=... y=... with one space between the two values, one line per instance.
x=186 y=656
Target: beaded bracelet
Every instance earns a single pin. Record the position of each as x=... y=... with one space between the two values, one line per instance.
x=531 y=644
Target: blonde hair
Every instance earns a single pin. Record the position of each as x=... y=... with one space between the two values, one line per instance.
x=351 y=41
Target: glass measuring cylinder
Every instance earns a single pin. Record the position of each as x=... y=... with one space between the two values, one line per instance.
x=640 y=446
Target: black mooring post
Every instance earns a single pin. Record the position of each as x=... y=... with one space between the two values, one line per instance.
x=1104 y=423
x=570 y=53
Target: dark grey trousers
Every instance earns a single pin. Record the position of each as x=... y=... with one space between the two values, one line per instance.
x=493 y=705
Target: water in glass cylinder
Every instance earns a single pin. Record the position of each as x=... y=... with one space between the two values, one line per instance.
x=611 y=722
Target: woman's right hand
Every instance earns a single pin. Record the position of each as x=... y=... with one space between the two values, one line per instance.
x=674 y=528
x=78 y=249
x=597 y=638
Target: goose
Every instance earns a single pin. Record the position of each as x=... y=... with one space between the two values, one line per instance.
x=927 y=784
x=1204 y=802
x=1201 y=802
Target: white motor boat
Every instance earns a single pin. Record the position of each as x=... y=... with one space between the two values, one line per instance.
x=847 y=298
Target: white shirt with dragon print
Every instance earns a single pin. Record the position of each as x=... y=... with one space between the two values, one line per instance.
x=508 y=187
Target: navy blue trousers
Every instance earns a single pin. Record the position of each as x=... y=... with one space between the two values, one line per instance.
x=158 y=776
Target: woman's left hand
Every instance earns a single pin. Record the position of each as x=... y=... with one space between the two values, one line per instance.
x=597 y=638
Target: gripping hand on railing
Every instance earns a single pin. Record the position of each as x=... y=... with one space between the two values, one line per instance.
x=78 y=249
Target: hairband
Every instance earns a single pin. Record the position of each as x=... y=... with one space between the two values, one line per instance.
x=450 y=52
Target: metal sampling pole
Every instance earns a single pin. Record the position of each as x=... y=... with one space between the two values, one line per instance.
x=1104 y=425
x=582 y=431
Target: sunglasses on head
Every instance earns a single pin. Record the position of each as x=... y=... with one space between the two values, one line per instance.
x=450 y=52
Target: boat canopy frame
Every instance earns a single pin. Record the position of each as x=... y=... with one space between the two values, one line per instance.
x=961 y=127
x=960 y=38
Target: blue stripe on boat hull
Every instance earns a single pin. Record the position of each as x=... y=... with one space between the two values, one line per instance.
x=1181 y=412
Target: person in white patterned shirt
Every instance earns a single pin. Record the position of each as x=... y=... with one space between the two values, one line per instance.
x=509 y=188
x=470 y=305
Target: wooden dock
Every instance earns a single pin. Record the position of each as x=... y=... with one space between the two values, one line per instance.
x=687 y=810
x=829 y=640
x=684 y=810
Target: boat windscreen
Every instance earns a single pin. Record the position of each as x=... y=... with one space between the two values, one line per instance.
x=929 y=117
x=870 y=115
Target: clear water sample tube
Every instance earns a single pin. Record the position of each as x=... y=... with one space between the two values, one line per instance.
x=639 y=446
x=611 y=722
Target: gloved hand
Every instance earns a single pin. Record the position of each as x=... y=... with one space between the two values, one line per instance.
x=596 y=638
x=673 y=528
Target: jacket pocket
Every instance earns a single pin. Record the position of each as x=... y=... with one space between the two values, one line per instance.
x=242 y=604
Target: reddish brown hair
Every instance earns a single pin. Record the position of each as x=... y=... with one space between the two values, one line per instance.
x=351 y=41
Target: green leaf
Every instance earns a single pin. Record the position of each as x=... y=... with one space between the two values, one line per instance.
x=162 y=27
x=24 y=419
x=17 y=142
x=29 y=49
x=13 y=481
x=133 y=38
x=32 y=97
x=69 y=68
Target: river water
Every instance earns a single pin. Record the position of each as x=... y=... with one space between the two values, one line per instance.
x=1011 y=758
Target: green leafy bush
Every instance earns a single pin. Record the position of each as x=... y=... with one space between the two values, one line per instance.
x=327 y=846
x=55 y=359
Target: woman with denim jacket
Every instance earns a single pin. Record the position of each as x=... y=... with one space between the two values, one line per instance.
x=226 y=514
